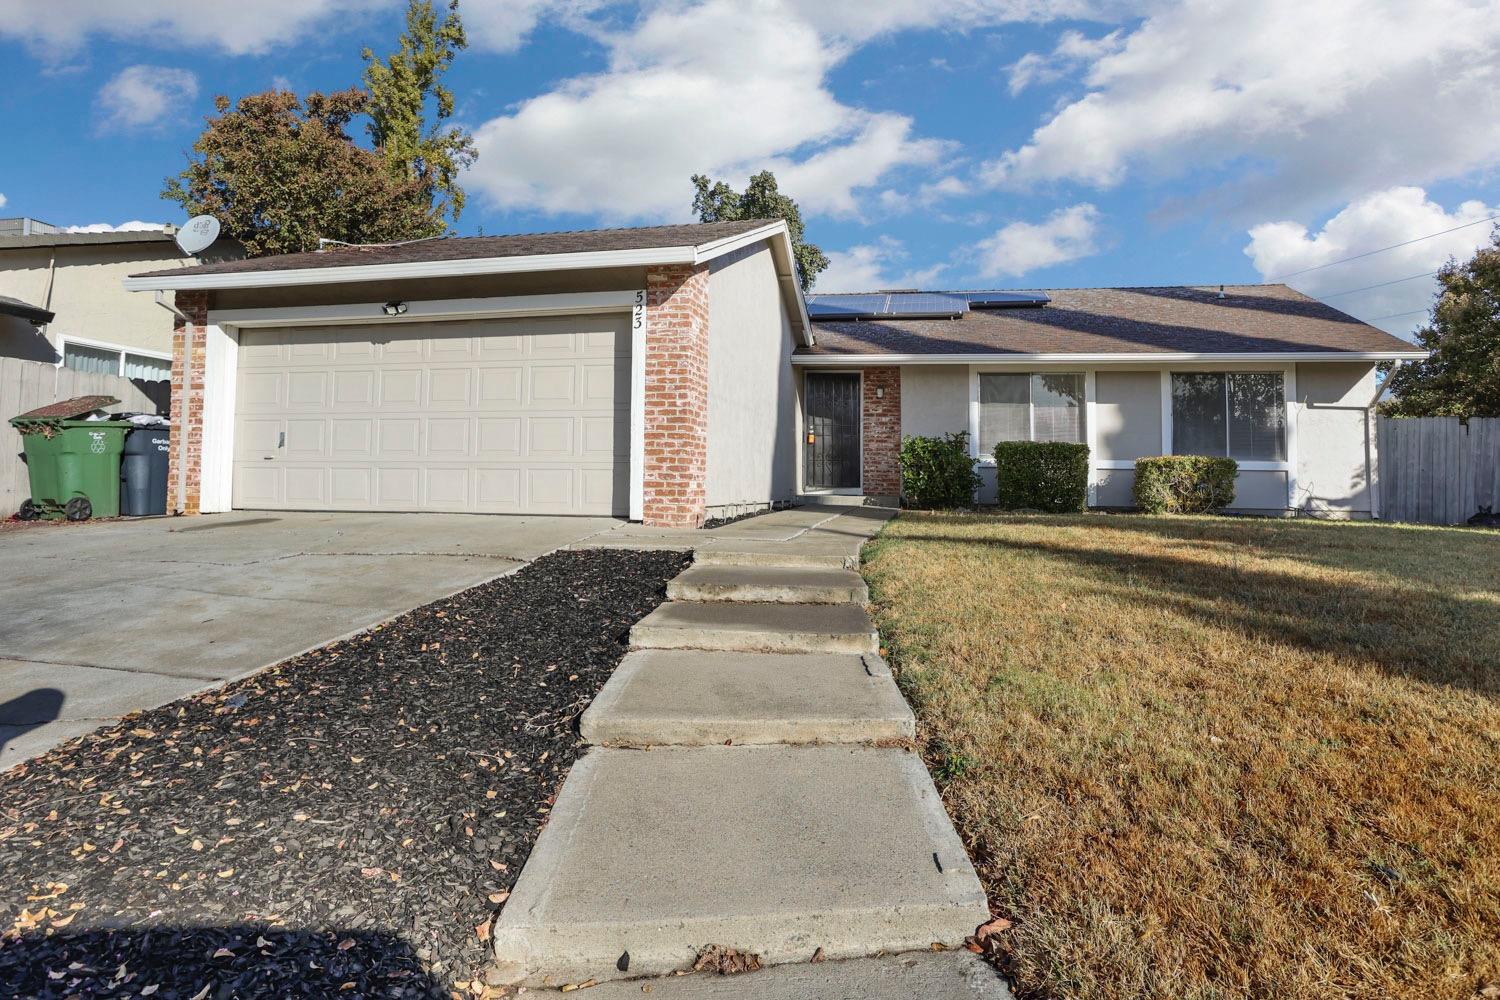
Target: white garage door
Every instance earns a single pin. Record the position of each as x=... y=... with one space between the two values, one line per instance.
x=494 y=416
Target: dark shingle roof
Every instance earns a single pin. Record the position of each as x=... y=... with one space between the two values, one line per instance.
x=24 y=310
x=471 y=247
x=1168 y=320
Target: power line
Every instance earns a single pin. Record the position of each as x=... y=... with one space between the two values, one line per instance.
x=1410 y=312
x=1393 y=246
x=1366 y=288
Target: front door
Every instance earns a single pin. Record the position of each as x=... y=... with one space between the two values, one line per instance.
x=831 y=446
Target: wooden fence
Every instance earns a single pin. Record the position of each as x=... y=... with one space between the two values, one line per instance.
x=25 y=385
x=1438 y=470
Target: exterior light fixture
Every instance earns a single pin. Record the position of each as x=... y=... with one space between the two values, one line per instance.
x=394 y=308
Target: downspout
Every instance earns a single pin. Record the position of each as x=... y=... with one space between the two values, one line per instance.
x=47 y=299
x=187 y=381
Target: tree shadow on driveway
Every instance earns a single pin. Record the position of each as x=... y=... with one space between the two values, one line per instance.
x=22 y=714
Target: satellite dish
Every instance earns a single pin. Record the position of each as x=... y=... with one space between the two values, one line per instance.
x=198 y=233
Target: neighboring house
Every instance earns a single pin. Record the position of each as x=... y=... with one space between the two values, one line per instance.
x=673 y=373
x=61 y=301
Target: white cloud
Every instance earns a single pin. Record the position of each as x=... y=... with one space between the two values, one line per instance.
x=1073 y=49
x=2 y=201
x=133 y=226
x=1067 y=234
x=723 y=87
x=1381 y=219
x=144 y=96
x=1323 y=100
x=231 y=26
x=872 y=266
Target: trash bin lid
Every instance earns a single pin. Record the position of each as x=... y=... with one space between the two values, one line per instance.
x=68 y=409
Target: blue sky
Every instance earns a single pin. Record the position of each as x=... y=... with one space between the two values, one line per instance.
x=940 y=143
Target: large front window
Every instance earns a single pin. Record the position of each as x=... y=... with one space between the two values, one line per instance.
x=1238 y=414
x=1029 y=407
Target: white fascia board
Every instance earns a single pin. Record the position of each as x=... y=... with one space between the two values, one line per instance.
x=416 y=269
x=430 y=310
x=1142 y=360
x=453 y=268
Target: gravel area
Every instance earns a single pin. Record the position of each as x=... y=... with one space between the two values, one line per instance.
x=343 y=824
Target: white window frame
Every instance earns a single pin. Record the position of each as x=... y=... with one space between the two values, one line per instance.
x=1288 y=375
x=63 y=340
x=987 y=460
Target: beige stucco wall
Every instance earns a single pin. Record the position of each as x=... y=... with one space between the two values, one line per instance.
x=751 y=397
x=87 y=295
x=1331 y=443
x=1127 y=414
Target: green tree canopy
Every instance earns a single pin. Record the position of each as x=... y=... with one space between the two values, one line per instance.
x=718 y=202
x=279 y=173
x=400 y=90
x=1462 y=376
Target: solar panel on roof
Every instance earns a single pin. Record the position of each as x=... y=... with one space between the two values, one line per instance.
x=926 y=304
x=1005 y=300
x=841 y=305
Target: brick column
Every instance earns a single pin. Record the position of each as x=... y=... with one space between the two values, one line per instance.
x=881 y=420
x=675 y=477
x=189 y=341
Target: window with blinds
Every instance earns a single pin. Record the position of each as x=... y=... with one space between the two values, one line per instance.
x=1029 y=407
x=1240 y=414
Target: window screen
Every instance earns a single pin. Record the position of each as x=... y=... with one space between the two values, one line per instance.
x=138 y=366
x=1242 y=415
x=1029 y=407
x=95 y=360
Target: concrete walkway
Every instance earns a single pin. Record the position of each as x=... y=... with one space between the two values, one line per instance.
x=750 y=790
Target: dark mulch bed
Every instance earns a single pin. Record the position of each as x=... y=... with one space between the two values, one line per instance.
x=338 y=825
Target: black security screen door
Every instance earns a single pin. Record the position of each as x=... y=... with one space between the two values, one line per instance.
x=831 y=447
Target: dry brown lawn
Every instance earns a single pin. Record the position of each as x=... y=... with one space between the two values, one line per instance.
x=1210 y=757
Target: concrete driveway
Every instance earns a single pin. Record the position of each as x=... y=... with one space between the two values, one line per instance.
x=100 y=620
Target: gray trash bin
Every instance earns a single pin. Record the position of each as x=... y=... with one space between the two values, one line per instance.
x=143 y=470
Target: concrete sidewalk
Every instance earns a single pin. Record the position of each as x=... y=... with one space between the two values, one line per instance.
x=814 y=832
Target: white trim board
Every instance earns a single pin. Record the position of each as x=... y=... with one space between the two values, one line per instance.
x=1134 y=360
x=220 y=376
x=428 y=310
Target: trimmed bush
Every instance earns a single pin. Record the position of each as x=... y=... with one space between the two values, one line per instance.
x=1051 y=476
x=937 y=472
x=1184 y=484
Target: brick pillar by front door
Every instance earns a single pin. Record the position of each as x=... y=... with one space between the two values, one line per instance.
x=675 y=467
x=880 y=415
x=189 y=351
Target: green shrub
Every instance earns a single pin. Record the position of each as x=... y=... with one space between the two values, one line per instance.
x=1184 y=484
x=937 y=472
x=1051 y=476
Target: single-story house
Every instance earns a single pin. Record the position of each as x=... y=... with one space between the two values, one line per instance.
x=675 y=373
x=61 y=301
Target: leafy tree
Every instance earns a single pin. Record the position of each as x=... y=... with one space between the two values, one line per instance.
x=718 y=202
x=1461 y=378
x=279 y=173
x=400 y=88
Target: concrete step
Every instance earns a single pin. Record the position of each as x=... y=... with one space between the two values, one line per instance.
x=765 y=628
x=803 y=553
x=660 y=697
x=948 y=975
x=778 y=584
x=775 y=851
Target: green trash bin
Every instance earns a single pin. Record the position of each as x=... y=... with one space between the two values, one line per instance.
x=74 y=465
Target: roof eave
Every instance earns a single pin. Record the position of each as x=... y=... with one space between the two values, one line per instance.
x=1139 y=357
x=694 y=254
